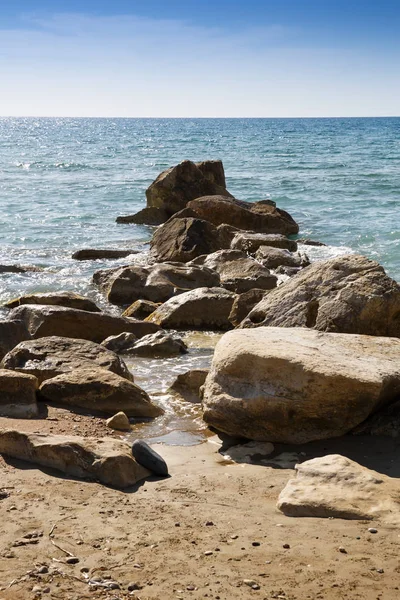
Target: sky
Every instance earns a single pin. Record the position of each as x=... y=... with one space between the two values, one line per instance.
x=199 y=58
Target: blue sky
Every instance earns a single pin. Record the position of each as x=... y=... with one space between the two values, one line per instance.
x=225 y=58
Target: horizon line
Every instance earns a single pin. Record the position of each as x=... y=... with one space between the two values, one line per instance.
x=181 y=118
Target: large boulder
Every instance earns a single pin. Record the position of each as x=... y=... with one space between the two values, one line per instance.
x=11 y=334
x=44 y=321
x=250 y=242
x=298 y=385
x=158 y=345
x=99 y=390
x=272 y=258
x=52 y=356
x=156 y=283
x=257 y=217
x=18 y=395
x=105 y=460
x=203 y=308
x=68 y=299
x=176 y=186
x=348 y=294
x=336 y=487
x=181 y=240
x=238 y=272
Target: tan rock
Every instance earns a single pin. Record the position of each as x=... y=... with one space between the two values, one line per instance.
x=68 y=299
x=187 y=385
x=140 y=309
x=120 y=343
x=158 y=345
x=250 y=242
x=18 y=395
x=181 y=240
x=243 y=304
x=11 y=334
x=273 y=258
x=119 y=422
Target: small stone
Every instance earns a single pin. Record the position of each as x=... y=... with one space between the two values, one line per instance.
x=46 y=590
x=255 y=544
x=342 y=550
x=372 y=530
x=234 y=537
x=380 y=571
x=249 y=582
x=255 y=586
x=134 y=586
x=209 y=523
x=37 y=589
x=72 y=560
x=268 y=562
x=113 y=585
x=177 y=524
x=208 y=553
x=119 y=421
x=84 y=570
x=191 y=588
x=43 y=569
x=286 y=546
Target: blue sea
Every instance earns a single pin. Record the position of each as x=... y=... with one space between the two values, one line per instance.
x=64 y=181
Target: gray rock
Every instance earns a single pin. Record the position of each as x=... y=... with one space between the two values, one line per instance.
x=275 y=257
x=149 y=458
x=120 y=343
x=158 y=345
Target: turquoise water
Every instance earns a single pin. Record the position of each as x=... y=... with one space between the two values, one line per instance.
x=64 y=181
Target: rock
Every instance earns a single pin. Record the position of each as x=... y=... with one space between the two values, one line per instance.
x=187 y=385
x=275 y=257
x=310 y=242
x=106 y=460
x=384 y=422
x=156 y=283
x=181 y=240
x=19 y=269
x=250 y=242
x=289 y=271
x=99 y=390
x=18 y=395
x=68 y=299
x=11 y=334
x=243 y=304
x=335 y=486
x=149 y=458
x=97 y=254
x=297 y=385
x=213 y=170
x=140 y=309
x=151 y=215
x=160 y=344
x=348 y=294
x=52 y=356
x=44 y=321
x=226 y=234
x=220 y=210
x=203 y=308
x=119 y=343
x=175 y=187
x=120 y=422
x=238 y=272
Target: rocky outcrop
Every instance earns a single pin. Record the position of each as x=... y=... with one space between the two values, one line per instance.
x=243 y=304
x=203 y=308
x=105 y=460
x=140 y=309
x=298 y=385
x=101 y=254
x=99 y=390
x=68 y=299
x=119 y=343
x=44 y=321
x=52 y=356
x=250 y=242
x=151 y=215
x=181 y=240
x=156 y=283
x=334 y=486
x=348 y=294
x=11 y=334
x=175 y=187
x=158 y=345
x=18 y=395
x=272 y=258
x=187 y=385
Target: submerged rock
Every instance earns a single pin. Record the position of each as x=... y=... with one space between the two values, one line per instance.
x=67 y=299
x=181 y=240
x=18 y=395
x=103 y=254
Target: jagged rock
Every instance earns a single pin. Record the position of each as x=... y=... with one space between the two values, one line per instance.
x=96 y=254
x=250 y=242
x=273 y=258
x=120 y=343
x=181 y=240
x=243 y=304
x=238 y=272
x=175 y=187
x=334 y=486
x=187 y=385
x=203 y=308
x=226 y=235
x=52 y=356
x=156 y=283
x=106 y=460
x=160 y=344
x=18 y=395
x=120 y=422
x=99 y=390
x=68 y=299
x=149 y=458
x=213 y=170
x=11 y=334
x=140 y=309
x=348 y=294
x=151 y=215
x=44 y=321
x=298 y=385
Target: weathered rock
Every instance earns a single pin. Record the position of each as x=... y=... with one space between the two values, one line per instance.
x=99 y=390
x=384 y=422
x=120 y=422
x=151 y=215
x=181 y=240
x=273 y=258
x=226 y=234
x=106 y=460
x=289 y=271
x=18 y=395
x=187 y=385
x=11 y=334
x=160 y=344
x=175 y=187
x=19 y=269
x=48 y=357
x=68 y=299
x=140 y=309
x=213 y=170
x=243 y=304
x=307 y=242
x=157 y=283
x=103 y=254
x=348 y=294
x=149 y=458
x=119 y=343
x=298 y=385
x=250 y=242
x=238 y=272
x=337 y=487
x=44 y=321
x=243 y=215
x=203 y=308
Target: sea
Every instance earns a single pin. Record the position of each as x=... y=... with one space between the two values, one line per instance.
x=63 y=182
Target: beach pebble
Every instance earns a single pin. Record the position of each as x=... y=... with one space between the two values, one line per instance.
x=372 y=530
x=134 y=586
x=380 y=571
x=342 y=550
x=72 y=560
x=191 y=588
x=234 y=537
x=286 y=546
x=208 y=553
x=255 y=544
x=209 y=523
x=250 y=582
x=43 y=569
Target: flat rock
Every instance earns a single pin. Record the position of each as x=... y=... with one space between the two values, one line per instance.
x=18 y=395
x=347 y=294
x=51 y=356
x=334 y=486
x=187 y=385
x=250 y=242
x=158 y=345
x=11 y=334
x=140 y=309
x=106 y=460
x=276 y=257
x=181 y=240
x=150 y=215
x=119 y=422
x=298 y=385
x=68 y=299
x=149 y=458
x=100 y=253
x=19 y=269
